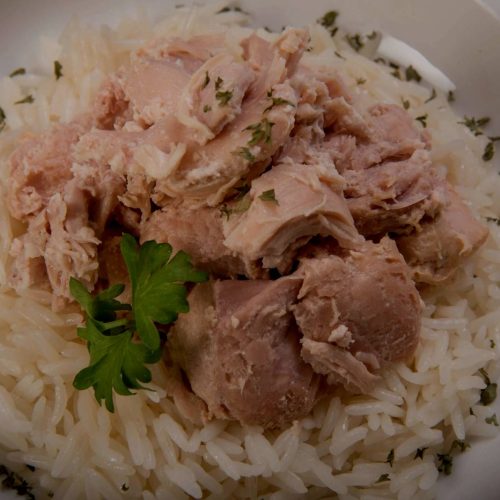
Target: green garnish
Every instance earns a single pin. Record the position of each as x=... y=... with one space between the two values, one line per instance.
x=406 y=103
x=432 y=97
x=412 y=74
x=360 y=81
x=207 y=108
x=492 y=342
x=383 y=478
x=422 y=119
x=475 y=125
x=329 y=19
x=218 y=83
x=495 y=220
x=18 y=71
x=489 y=151
x=489 y=393
x=224 y=96
x=445 y=462
x=451 y=96
x=58 y=70
x=492 y=420
x=261 y=132
x=27 y=100
x=420 y=453
x=14 y=481
x=390 y=458
x=269 y=195
x=355 y=41
x=117 y=359
x=339 y=55
x=395 y=73
x=460 y=445
x=206 y=81
x=277 y=101
x=245 y=153
x=372 y=35
x=2 y=119
x=233 y=8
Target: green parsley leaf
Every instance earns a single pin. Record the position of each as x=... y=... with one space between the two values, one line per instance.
x=58 y=70
x=460 y=445
x=2 y=119
x=18 y=71
x=223 y=96
x=27 y=100
x=489 y=393
x=492 y=420
x=360 y=81
x=390 y=458
x=412 y=74
x=406 y=103
x=422 y=119
x=420 y=453
x=492 y=344
x=261 y=132
x=372 y=35
x=445 y=463
x=451 y=96
x=206 y=81
x=489 y=151
x=158 y=292
x=245 y=153
x=355 y=41
x=207 y=108
x=382 y=479
x=269 y=195
x=432 y=96
x=329 y=19
x=277 y=101
x=475 y=125
x=14 y=481
x=493 y=219
x=218 y=83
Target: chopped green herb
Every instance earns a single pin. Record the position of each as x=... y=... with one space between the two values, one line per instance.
x=390 y=458
x=355 y=41
x=489 y=151
x=218 y=83
x=460 y=445
x=493 y=219
x=383 y=478
x=224 y=96
x=360 y=81
x=207 y=108
x=18 y=71
x=412 y=74
x=475 y=126
x=14 y=481
x=241 y=205
x=125 y=487
x=494 y=139
x=277 y=101
x=445 y=463
x=245 y=153
x=492 y=344
x=2 y=119
x=339 y=55
x=451 y=96
x=329 y=19
x=406 y=103
x=117 y=360
x=27 y=100
x=396 y=73
x=420 y=453
x=261 y=132
x=58 y=70
x=489 y=393
x=380 y=60
x=206 y=81
x=269 y=195
x=433 y=96
x=233 y=8
x=372 y=35
x=492 y=420
x=422 y=119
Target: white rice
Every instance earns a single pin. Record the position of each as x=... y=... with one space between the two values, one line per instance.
x=146 y=449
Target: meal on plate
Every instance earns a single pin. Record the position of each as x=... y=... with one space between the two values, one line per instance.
x=237 y=263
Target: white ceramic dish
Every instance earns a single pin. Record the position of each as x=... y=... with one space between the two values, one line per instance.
x=461 y=37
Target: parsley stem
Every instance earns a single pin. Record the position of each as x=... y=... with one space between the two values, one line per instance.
x=115 y=324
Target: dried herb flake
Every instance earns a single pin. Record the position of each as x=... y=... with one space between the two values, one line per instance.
x=27 y=100
x=17 y=72
x=270 y=196
x=58 y=70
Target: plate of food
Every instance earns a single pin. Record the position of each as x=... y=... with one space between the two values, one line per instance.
x=249 y=250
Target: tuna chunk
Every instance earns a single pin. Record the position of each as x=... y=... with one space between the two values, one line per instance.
x=199 y=233
x=302 y=201
x=357 y=311
x=239 y=347
x=40 y=167
x=440 y=246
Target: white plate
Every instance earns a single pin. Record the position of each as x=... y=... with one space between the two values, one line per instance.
x=460 y=37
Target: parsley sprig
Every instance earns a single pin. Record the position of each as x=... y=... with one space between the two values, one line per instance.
x=123 y=338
